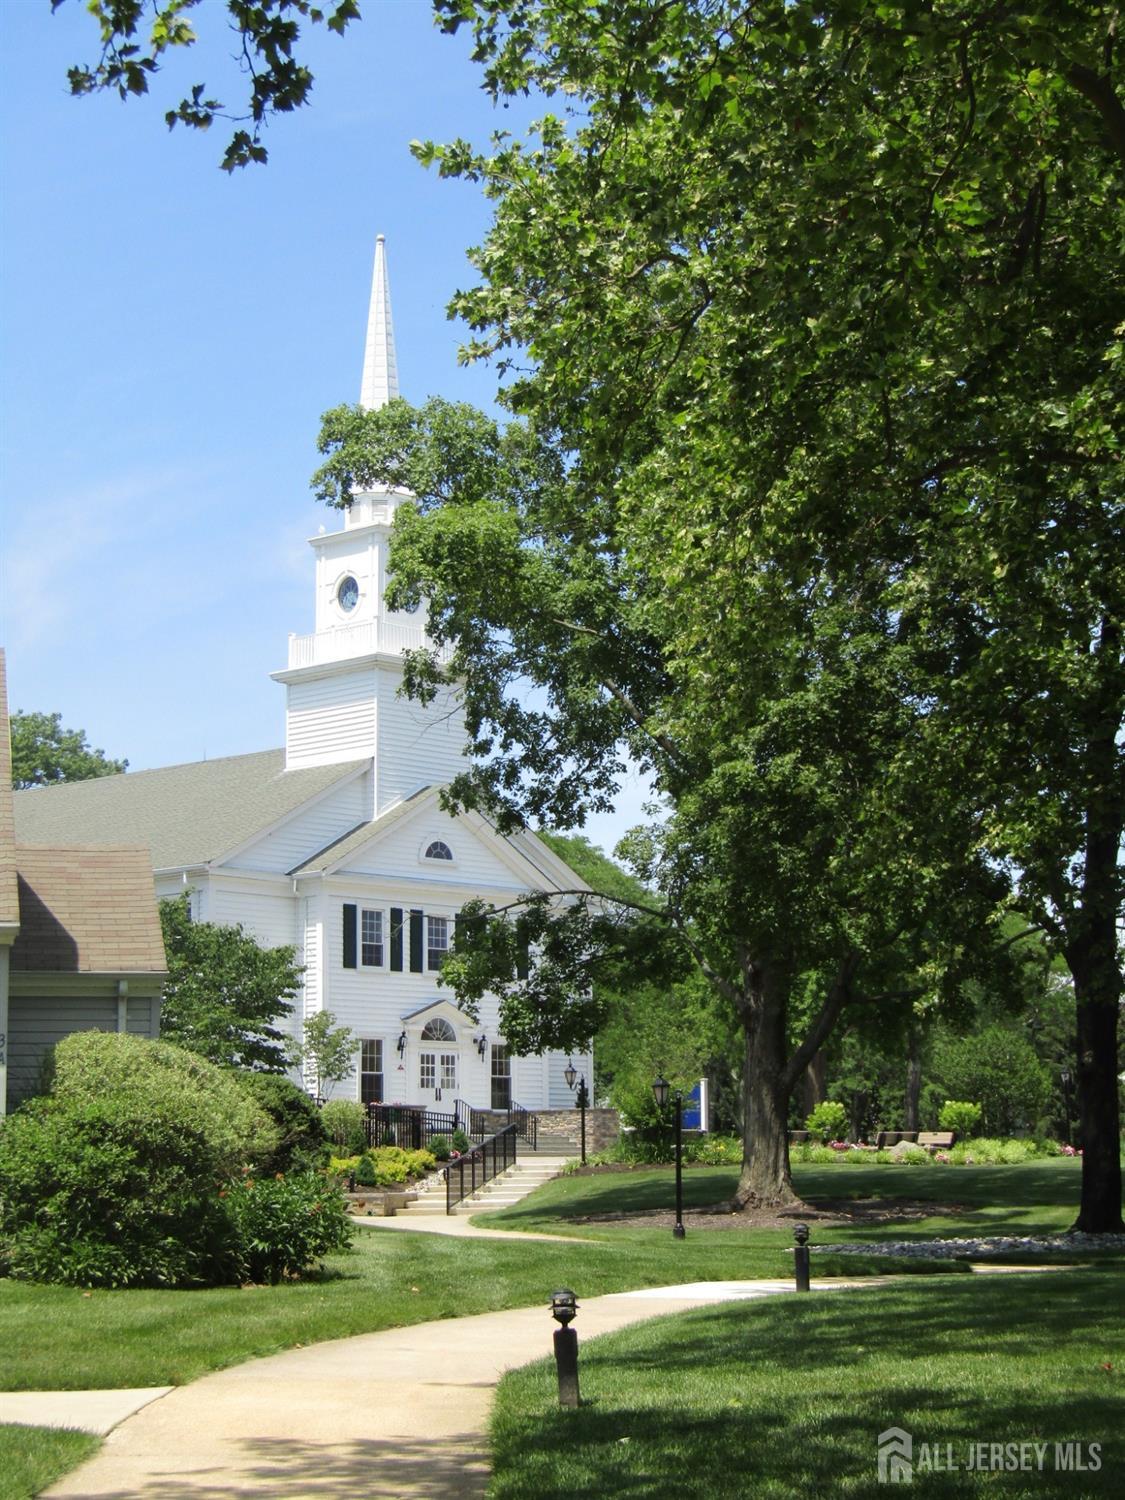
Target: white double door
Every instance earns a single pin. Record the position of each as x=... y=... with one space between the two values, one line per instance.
x=438 y=1073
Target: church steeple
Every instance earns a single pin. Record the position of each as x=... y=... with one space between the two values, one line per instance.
x=380 y=367
x=342 y=681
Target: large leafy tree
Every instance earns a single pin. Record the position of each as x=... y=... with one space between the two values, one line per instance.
x=44 y=752
x=225 y=994
x=805 y=864
x=138 y=40
x=855 y=274
x=819 y=310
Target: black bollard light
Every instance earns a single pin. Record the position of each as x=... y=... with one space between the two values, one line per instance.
x=801 y=1256
x=564 y=1305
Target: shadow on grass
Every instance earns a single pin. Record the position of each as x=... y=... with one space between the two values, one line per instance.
x=787 y=1398
x=793 y=1451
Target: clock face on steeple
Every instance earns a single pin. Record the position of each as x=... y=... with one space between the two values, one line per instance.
x=347 y=595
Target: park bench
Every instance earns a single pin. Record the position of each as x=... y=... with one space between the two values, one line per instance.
x=797 y=1136
x=937 y=1140
x=887 y=1138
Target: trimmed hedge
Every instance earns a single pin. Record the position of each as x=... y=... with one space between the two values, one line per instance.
x=131 y=1173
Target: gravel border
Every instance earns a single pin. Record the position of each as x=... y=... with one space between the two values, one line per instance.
x=993 y=1244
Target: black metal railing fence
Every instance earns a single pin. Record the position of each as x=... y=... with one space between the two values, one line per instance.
x=480 y=1165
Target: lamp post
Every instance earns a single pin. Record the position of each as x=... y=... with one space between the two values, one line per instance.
x=582 y=1099
x=662 y=1091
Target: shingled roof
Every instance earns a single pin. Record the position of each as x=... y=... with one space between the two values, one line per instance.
x=87 y=911
x=186 y=815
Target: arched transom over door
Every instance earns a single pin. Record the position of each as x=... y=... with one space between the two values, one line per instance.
x=438 y=1061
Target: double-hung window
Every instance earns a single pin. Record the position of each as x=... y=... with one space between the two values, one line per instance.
x=371 y=939
x=437 y=941
x=371 y=1071
x=501 y=1077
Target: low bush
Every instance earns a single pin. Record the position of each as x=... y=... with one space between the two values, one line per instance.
x=345 y=1124
x=342 y=1166
x=990 y=1151
x=106 y=1193
x=395 y=1164
x=440 y=1147
x=828 y=1121
x=301 y=1133
x=460 y=1141
x=286 y=1224
x=365 y=1174
x=959 y=1116
x=88 y=1067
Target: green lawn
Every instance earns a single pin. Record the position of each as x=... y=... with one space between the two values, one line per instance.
x=31 y=1458
x=58 y=1338
x=787 y=1397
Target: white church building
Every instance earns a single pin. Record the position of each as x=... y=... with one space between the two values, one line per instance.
x=337 y=843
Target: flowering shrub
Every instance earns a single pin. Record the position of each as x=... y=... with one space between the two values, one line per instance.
x=286 y=1224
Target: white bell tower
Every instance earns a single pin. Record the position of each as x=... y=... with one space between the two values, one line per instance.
x=342 y=681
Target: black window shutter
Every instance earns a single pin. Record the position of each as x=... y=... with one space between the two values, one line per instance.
x=349 y=935
x=416 y=942
x=396 y=938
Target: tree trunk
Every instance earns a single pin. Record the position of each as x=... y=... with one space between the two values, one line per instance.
x=815 y=1084
x=765 y=1181
x=1099 y=1123
x=1091 y=955
x=913 y=1081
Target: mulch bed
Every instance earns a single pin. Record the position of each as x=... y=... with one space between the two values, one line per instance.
x=823 y=1211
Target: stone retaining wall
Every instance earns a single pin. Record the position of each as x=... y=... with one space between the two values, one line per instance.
x=603 y=1126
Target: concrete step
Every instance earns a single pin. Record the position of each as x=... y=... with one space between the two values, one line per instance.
x=512 y=1186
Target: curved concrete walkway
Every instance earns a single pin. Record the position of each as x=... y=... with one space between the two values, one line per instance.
x=394 y=1414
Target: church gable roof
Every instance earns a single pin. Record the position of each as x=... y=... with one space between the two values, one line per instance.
x=389 y=845
x=192 y=814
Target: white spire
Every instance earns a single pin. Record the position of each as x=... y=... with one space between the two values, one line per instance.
x=380 y=368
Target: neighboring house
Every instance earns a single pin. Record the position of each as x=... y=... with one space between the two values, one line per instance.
x=337 y=843
x=80 y=941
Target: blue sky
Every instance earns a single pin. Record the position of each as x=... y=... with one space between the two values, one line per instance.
x=169 y=337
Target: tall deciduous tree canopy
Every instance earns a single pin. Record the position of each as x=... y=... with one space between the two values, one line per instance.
x=43 y=752
x=137 y=40
x=224 y=994
x=817 y=311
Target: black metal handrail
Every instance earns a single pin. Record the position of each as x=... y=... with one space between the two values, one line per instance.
x=409 y=1125
x=473 y=1121
x=478 y=1166
x=525 y=1123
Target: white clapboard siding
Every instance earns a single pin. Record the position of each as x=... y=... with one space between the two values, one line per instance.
x=308 y=832
x=401 y=851
x=267 y=914
x=330 y=719
x=418 y=745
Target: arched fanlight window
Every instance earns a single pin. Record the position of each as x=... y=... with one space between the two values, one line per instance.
x=438 y=1031
x=438 y=850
